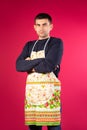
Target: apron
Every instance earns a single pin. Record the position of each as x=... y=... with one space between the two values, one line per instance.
x=42 y=96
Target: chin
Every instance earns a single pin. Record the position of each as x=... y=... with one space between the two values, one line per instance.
x=42 y=36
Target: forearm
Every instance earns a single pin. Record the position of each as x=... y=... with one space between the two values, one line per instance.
x=44 y=67
x=26 y=65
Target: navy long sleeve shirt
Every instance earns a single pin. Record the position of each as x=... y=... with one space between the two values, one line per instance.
x=53 y=56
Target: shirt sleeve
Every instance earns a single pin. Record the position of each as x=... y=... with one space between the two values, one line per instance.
x=23 y=65
x=52 y=58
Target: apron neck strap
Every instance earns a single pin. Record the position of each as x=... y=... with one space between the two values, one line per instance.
x=44 y=45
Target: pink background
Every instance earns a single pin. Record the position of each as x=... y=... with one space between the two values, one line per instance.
x=70 y=24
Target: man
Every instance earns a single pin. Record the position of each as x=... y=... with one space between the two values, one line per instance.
x=41 y=59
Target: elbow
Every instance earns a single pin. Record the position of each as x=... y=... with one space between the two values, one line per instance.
x=18 y=67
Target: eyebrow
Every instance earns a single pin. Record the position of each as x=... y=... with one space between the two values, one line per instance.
x=42 y=24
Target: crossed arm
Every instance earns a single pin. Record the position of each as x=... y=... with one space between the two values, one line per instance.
x=40 y=65
x=28 y=58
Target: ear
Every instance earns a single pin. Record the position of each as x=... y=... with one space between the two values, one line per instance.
x=51 y=26
x=35 y=27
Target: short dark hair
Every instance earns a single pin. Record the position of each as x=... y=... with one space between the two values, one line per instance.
x=43 y=16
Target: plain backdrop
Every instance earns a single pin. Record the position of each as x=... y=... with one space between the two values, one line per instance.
x=16 y=28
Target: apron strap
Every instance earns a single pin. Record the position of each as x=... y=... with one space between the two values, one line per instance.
x=44 y=45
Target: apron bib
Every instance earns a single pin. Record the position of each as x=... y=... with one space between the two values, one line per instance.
x=42 y=96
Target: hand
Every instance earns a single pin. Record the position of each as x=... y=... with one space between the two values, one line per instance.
x=28 y=58
x=57 y=67
x=33 y=70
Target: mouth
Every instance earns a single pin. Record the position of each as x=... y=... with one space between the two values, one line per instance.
x=41 y=32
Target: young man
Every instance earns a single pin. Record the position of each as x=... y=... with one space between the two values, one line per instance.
x=41 y=59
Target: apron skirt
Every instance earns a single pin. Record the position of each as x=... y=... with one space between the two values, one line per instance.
x=42 y=100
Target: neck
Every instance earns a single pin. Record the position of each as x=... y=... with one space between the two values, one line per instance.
x=41 y=38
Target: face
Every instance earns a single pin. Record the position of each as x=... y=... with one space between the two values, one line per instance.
x=43 y=28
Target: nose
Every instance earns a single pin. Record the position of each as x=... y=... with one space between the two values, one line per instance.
x=41 y=28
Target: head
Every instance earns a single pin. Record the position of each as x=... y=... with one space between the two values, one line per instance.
x=43 y=25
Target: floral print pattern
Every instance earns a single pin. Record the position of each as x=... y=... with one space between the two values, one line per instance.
x=42 y=101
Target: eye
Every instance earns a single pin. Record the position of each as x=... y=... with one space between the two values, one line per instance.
x=38 y=25
x=44 y=24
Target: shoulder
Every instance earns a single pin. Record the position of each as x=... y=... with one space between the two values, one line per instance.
x=55 y=42
x=29 y=44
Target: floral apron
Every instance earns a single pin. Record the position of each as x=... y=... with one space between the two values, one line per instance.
x=42 y=101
